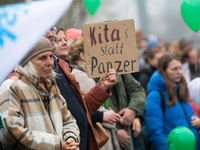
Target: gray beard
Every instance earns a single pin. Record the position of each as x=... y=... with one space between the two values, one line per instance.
x=55 y=46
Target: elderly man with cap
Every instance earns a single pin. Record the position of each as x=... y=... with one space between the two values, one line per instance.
x=35 y=114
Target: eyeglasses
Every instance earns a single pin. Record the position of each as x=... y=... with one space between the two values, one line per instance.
x=53 y=30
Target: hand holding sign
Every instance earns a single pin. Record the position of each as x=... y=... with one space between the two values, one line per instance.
x=109 y=80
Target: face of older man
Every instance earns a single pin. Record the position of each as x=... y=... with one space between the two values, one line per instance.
x=51 y=35
x=43 y=63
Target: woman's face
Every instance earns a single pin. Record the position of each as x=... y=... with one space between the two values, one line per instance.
x=62 y=50
x=154 y=62
x=174 y=71
x=43 y=63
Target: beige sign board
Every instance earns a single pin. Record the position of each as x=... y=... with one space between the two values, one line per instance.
x=110 y=44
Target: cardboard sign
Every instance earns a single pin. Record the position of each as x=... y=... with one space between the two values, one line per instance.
x=110 y=44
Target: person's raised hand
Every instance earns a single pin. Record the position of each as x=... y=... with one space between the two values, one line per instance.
x=109 y=80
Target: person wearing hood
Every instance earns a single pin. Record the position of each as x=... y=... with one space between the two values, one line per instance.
x=168 y=79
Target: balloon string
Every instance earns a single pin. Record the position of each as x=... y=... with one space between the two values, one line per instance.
x=196 y=69
x=197 y=102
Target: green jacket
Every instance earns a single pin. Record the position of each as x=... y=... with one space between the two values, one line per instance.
x=127 y=93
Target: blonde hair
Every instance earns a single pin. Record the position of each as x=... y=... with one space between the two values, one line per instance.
x=75 y=46
x=30 y=71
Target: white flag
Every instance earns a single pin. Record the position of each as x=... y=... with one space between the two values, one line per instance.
x=22 y=25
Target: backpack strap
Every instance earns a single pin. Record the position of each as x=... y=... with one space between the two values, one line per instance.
x=185 y=115
x=162 y=104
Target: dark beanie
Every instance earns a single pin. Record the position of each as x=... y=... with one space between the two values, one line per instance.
x=42 y=46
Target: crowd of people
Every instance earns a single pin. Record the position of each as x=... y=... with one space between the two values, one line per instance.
x=49 y=102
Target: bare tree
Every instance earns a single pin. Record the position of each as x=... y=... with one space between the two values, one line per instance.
x=74 y=17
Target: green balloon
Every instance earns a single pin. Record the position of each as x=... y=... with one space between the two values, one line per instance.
x=181 y=138
x=91 y=5
x=190 y=11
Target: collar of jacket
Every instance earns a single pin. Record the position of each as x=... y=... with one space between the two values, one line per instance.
x=64 y=66
x=80 y=65
x=56 y=61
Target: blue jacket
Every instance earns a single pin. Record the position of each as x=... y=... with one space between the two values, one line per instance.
x=157 y=125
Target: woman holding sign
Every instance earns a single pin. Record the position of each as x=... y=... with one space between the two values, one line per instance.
x=108 y=117
x=81 y=108
x=132 y=102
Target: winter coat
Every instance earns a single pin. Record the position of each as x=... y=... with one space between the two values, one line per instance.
x=81 y=109
x=159 y=125
x=79 y=71
x=34 y=117
x=127 y=93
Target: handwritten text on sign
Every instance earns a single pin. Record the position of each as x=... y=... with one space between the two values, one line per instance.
x=110 y=45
